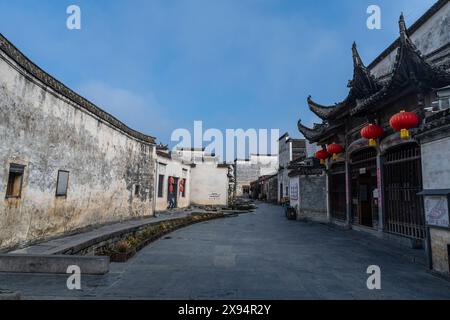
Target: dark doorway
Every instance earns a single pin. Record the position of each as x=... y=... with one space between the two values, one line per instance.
x=364 y=187
x=172 y=192
x=404 y=213
x=338 y=206
x=281 y=192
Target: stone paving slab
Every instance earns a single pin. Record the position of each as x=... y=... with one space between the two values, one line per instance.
x=62 y=244
x=259 y=255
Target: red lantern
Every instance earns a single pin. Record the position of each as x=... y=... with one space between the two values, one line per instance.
x=403 y=121
x=372 y=132
x=334 y=149
x=322 y=155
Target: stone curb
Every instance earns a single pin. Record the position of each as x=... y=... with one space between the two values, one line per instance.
x=9 y=295
x=27 y=263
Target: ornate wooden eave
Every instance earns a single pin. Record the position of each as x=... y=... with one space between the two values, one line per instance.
x=410 y=70
x=319 y=131
x=361 y=86
x=326 y=112
x=364 y=83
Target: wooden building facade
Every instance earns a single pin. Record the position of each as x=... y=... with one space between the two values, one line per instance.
x=377 y=187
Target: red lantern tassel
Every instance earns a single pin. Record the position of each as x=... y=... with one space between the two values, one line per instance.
x=404 y=134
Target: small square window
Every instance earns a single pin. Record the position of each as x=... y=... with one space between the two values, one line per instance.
x=62 y=183
x=15 y=179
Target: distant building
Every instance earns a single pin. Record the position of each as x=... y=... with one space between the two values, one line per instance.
x=289 y=149
x=249 y=170
x=265 y=188
x=189 y=176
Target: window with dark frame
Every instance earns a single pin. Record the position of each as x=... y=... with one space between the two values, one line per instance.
x=160 y=185
x=15 y=180
x=62 y=183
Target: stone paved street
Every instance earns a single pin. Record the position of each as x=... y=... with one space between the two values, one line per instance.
x=255 y=255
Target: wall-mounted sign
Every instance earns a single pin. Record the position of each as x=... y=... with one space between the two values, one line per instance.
x=436 y=211
x=436 y=205
x=214 y=196
x=294 y=191
x=362 y=170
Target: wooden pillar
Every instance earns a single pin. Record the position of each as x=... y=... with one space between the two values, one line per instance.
x=380 y=186
x=348 y=193
x=327 y=187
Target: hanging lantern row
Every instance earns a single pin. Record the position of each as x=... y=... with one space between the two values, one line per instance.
x=372 y=132
x=403 y=121
x=334 y=149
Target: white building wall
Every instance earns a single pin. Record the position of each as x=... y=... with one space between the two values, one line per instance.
x=209 y=185
x=172 y=168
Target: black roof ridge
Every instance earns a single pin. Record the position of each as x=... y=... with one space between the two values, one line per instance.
x=37 y=72
x=413 y=28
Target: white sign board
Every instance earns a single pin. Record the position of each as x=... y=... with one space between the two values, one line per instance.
x=294 y=191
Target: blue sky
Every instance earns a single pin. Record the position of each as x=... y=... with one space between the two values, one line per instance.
x=159 y=65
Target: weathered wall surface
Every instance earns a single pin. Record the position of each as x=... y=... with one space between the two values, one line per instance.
x=440 y=240
x=312 y=198
x=436 y=175
x=42 y=130
x=173 y=168
x=209 y=185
